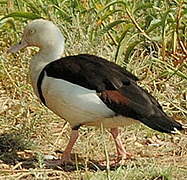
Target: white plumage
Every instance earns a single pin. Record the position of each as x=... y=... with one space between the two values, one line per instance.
x=72 y=102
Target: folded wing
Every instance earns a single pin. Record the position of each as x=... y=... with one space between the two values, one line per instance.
x=116 y=87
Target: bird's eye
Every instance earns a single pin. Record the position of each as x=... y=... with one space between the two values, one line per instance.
x=32 y=31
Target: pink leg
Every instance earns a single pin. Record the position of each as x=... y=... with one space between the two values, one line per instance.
x=66 y=154
x=121 y=152
x=66 y=158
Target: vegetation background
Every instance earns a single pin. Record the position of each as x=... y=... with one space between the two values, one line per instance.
x=147 y=37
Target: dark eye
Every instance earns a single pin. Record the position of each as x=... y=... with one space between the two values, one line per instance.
x=32 y=31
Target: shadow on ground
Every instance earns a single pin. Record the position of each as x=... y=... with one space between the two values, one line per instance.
x=79 y=163
x=92 y=165
x=14 y=149
x=10 y=145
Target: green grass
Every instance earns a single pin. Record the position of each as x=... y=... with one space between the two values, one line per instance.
x=149 y=38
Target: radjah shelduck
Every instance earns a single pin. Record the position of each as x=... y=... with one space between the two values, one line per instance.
x=88 y=90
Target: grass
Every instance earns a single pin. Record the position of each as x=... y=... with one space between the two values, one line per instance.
x=148 y=38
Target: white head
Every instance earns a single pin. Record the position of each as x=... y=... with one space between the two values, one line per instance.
x=43 y=34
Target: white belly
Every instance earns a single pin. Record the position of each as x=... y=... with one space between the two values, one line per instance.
x=78 y=105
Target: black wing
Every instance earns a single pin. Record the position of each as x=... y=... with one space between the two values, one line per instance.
x=89 y=71
x=116 y=86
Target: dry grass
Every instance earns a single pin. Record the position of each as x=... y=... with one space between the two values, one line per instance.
x=29 y=131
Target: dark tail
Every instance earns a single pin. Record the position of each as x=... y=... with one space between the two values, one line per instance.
x=161 y=122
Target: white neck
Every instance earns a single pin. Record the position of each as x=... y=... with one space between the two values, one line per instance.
x=49 y=54
x=41 y=59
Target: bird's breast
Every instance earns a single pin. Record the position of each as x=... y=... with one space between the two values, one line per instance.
x=76 y=104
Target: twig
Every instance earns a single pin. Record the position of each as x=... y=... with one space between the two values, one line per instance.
x=17 y=165
x=136 y=25
x=30 y=172
x=106 y=155
x=60 y=135
x=177 y=27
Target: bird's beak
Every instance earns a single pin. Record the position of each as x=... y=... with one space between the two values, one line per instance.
x=17 y=47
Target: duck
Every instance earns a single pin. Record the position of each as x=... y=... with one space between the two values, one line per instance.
x=88 y=90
